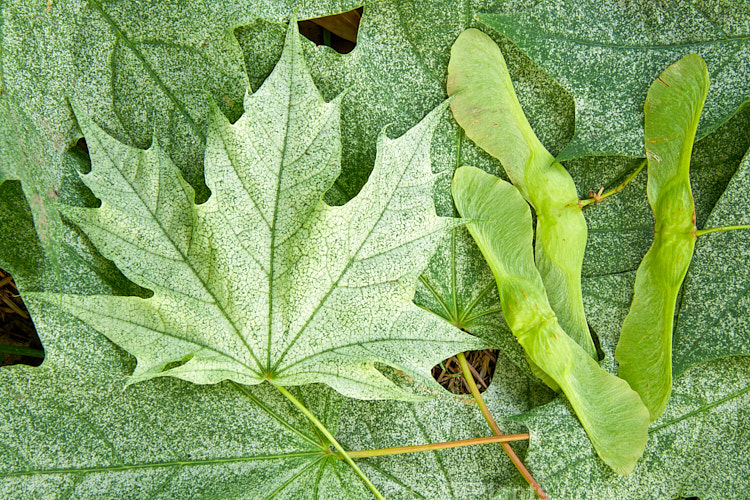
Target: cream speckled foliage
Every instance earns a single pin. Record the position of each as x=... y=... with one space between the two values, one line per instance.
x=68 y=429
x=265 y=281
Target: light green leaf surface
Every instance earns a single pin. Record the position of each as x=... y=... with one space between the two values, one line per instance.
x=486 y=107
x=402 y=50
x=607 y=53
x=264 y=281
x=673 y=109
x=500 y=222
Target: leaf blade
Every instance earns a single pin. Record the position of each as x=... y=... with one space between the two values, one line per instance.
x=613 y=67
x=280 y=286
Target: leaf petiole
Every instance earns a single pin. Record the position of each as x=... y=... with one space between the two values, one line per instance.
x=496 y=428
x=348 y=456
x=477 y=395
x=341 y=451
x=723 y=228
x=597 y=197
x=438 y=446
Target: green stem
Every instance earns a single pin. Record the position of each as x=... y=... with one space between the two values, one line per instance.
x=599 y=197
x=21 y=351
x=496 y=429
x=343 y=453
x=437 y=446
x=717 y=229
x=477 y=395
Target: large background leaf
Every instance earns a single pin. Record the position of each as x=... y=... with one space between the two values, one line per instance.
x=713 y=321
x=410 y=56
x=607 y=53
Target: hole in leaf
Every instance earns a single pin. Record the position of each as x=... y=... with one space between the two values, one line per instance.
x=79 y=156
x=338 y=32
x=178 y=363
x=19 y=343
x=482 y=366
x=81 y=144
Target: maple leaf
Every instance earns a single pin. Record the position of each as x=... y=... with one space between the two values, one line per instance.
x=265 y=281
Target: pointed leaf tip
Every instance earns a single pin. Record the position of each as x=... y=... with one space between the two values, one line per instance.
x=264 y=277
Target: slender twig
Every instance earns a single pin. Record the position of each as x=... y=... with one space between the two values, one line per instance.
x=723 y=228
x=597 y=197
x=496 y=429
x=15 y=307
x=438 y=446
x=476 y=374
x=341 y=451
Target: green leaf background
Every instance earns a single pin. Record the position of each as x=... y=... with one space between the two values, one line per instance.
x=67 y=427
x=607 y=53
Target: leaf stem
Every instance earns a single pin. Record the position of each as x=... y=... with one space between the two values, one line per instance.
x=496 y=429
x=437 y=446
x=723 y=228
x=477 y=395
x=597 y=197
x=341 y=451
